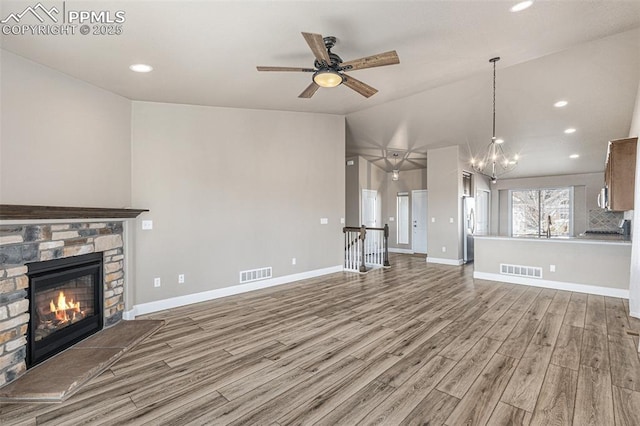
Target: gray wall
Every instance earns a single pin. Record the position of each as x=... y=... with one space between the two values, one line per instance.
x=444 y=202
x=576 y=261
x=408 y=181
x=231 y=190
x=362 y=175
x=586 y=189
x=352 y=193
x=62 y=142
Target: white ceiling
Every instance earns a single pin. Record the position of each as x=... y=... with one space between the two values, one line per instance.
x=205 y=53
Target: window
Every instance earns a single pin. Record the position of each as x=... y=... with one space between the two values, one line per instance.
x=534 y=211
x=403 y=218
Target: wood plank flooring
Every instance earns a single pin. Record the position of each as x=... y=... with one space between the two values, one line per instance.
x=412 y=345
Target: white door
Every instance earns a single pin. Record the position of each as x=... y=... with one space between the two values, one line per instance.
x=419 y=220
x=370 y=208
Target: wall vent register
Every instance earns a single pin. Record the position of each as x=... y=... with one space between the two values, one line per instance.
x=256 y=274
x=521 y=271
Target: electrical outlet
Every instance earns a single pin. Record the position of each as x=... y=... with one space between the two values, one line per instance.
x=293 y=261
x=181 y=279
x=156 y=282
x=444 y=249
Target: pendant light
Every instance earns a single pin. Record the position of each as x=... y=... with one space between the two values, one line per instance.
x=396 y=171
x=495 y=162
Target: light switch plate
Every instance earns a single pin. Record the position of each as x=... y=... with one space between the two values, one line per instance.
x=324 y=221
x=450 y=220
x=147 y=225
x=433 y=220
x=392 y=219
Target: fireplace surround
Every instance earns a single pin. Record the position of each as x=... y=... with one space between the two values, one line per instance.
x=31 y=234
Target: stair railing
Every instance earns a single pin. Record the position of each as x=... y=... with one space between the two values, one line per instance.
x=365 y=247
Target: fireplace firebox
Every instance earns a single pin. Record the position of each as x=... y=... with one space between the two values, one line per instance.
x=65 y=304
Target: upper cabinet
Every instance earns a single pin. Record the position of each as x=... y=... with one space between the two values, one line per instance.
x=619 y=175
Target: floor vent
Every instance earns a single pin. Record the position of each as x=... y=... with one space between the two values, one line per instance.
x=255 y=274
x=521 y=271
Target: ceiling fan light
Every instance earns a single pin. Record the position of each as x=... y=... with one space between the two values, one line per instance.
x=327 y=78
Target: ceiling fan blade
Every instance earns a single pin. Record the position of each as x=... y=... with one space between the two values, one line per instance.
x=316 y=43
x=360 y=87
x=379 y=60
x=285 y=69
x=309 y=91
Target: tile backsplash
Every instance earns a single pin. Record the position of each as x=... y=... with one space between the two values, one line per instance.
x=603 y=219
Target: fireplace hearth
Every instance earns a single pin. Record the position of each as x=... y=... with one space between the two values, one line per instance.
x=65 y=304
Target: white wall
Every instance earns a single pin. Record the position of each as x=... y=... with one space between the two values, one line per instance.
x=231 y=190
x=63 y=142
x=634 y=285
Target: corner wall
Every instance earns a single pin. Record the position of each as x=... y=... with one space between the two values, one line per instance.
x=63 y=142
x=232 y=190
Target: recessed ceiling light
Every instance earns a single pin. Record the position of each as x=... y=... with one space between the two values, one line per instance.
x=499 y=141
x=574 y=156
x=570 y=130
x=521 y=6
x=141 y=68
x=560 y=104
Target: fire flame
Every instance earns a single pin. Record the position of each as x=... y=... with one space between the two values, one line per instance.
x=63 y=306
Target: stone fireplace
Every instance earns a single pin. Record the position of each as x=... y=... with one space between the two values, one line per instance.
x=24 y=245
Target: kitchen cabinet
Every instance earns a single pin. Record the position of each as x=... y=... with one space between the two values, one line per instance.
x=620 y=172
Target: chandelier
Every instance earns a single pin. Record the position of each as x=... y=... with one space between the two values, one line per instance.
x=495 y=162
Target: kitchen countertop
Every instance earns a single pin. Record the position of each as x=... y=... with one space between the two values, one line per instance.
x=581 y=239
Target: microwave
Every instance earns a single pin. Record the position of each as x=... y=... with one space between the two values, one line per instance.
x=603 y=198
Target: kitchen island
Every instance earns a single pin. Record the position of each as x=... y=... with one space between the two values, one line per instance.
x=587 y=265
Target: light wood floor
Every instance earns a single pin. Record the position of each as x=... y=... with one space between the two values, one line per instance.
x=415 y=344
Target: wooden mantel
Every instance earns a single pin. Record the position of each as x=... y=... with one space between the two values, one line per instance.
x=20 y=212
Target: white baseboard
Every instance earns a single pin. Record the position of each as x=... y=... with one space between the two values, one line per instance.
x=174 y=302
x=556 y=285
x=400 y=250
x=452 y=262
x=129 y=315
x=634 y=314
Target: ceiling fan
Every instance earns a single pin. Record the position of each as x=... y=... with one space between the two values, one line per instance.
x=329 y=69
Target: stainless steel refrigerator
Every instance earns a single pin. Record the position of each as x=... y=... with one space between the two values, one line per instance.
x=468 y=227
